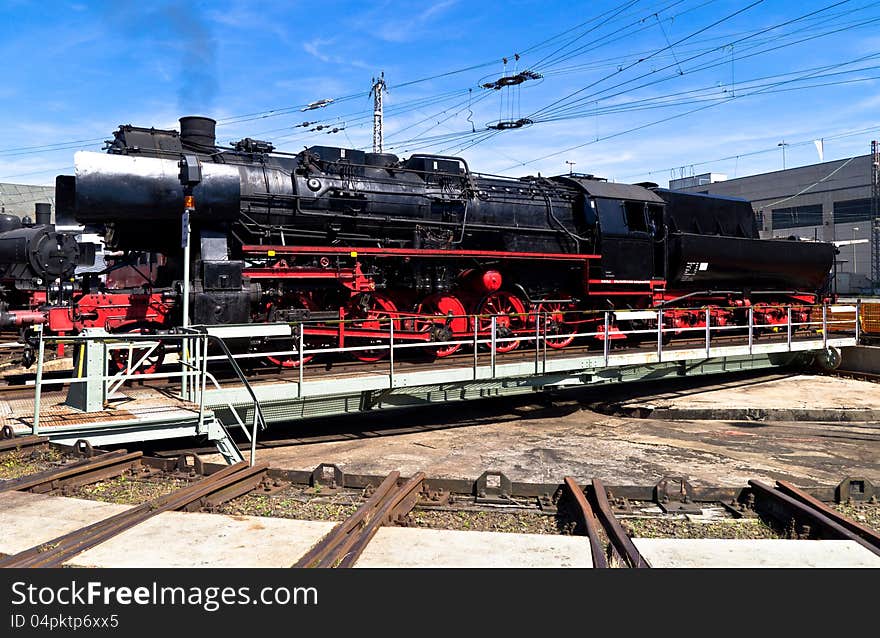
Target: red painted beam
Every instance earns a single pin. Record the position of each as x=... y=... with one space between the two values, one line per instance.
x=410 y=252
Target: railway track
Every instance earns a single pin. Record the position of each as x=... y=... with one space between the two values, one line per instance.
x=808 y=517
x=346 y=542
x=392 y=499
x=224 y=484
x=78 y=473
x=856 y=374
x=9 y=441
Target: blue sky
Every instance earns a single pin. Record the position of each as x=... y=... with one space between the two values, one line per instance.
x=730 y=79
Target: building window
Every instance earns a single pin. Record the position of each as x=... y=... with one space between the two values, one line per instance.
x=798 y=216
x=852 y=210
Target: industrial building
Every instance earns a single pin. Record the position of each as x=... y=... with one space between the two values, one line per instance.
x=19 y=199
x=830 y=201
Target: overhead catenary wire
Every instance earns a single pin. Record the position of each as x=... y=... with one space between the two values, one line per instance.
x=624 y=68
x=811 y=186
x=645 y=125
x=592 y=97
x=476 y=136
x=772 y=149
x=295 y=109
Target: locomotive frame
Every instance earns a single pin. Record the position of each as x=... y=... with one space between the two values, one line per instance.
x=358 y=245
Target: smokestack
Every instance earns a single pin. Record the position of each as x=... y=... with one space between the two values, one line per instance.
x=43 y=214
x=198 y=132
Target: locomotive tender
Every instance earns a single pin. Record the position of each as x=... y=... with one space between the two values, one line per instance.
x=333 y=234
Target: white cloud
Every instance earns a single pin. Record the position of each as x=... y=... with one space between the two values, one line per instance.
x=315 y=49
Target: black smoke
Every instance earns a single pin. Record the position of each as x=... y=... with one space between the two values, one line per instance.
x=187 y=31
x=197 y=84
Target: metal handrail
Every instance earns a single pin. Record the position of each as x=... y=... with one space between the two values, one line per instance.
x=195 y=361
x=259 y=418
x=197 y=372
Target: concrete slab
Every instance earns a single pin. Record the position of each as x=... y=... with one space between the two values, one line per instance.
x=710 y=552
x=170 y=539
x=416 y=547
x=179 y=539
x=786 y=398
x=535 y=442
x=30 y=519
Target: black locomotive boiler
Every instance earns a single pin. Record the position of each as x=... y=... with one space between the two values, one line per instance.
x=367 y=239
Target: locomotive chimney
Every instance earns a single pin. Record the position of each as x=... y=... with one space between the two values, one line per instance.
x=198 y=132
x=43 y=214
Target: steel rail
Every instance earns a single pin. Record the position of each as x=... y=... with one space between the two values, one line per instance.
x=870 y=535
x=344 y=544
x=588 y=519
x=789 y=509
x=18 y=442
x=616 y=534
x=398 y=503
x=76 y=473
x=55 y=552
x=334 y=545
x=58 y=549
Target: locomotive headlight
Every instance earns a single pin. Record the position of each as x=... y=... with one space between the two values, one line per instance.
x=314 y=184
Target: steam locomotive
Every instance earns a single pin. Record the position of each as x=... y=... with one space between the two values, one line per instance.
x=351 y=242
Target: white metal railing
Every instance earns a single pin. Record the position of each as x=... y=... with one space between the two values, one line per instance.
x=193 y=375
x=194 y=345
x=612 y=325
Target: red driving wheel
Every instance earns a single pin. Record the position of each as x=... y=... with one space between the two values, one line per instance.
x=555 y=331
x=296 y=301
x=449 y=321
x=510 y=316
x=379 y=308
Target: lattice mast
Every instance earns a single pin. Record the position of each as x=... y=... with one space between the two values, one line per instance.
x=875 y=213
x=377 y=90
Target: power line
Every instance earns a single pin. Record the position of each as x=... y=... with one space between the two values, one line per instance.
x=592 y=97
x=47 y=170
x=773 y=149
x=805 y=189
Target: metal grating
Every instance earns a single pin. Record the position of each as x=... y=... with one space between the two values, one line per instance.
x=870 y=319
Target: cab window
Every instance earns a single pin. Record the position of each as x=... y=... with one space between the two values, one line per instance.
x=635 y=217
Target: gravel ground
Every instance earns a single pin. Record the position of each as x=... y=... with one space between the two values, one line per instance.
x=292 y=502
x=868 y=514
x=749 y=528
x=526 y=522
x=128 y=490
x=17 y=463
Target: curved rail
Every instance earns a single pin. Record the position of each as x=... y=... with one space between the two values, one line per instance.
x=588 y=520
x=620 y=540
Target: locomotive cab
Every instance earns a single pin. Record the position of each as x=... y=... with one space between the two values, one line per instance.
x=629 y=224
